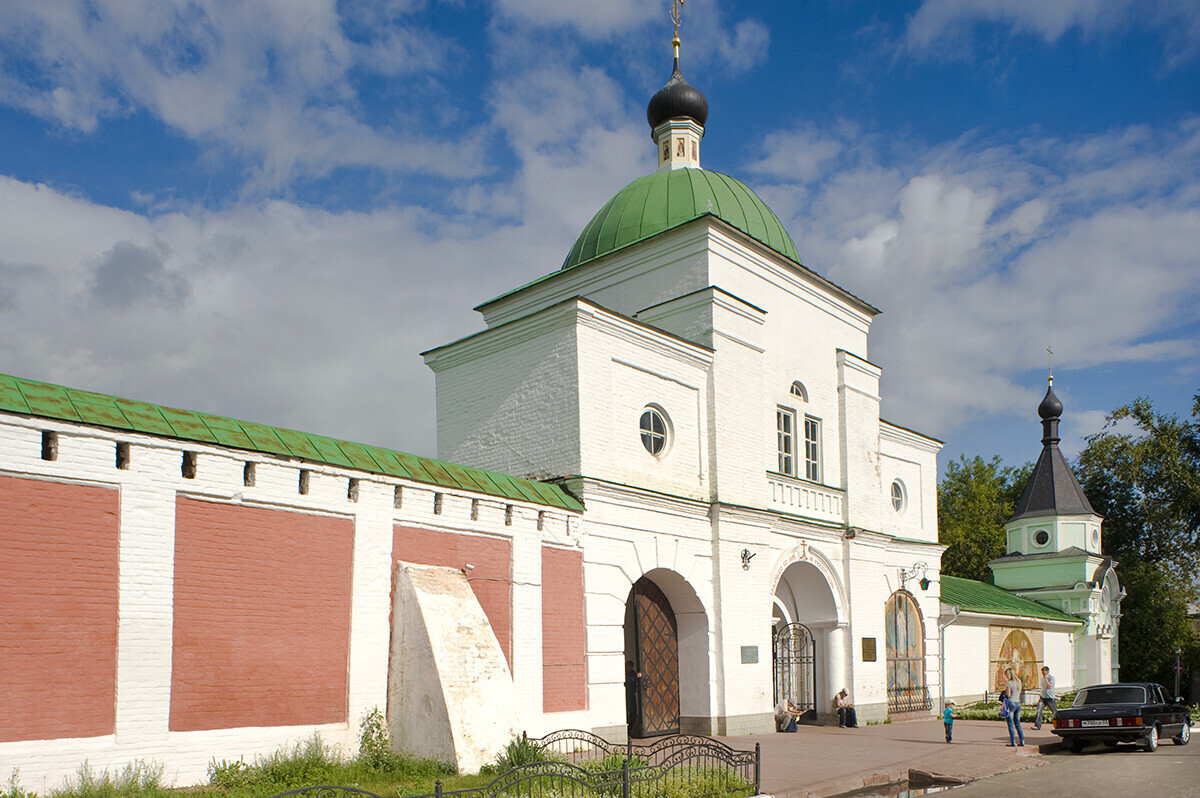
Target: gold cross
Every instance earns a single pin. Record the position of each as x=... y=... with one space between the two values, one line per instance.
x=1050 y=363
x=676 y=5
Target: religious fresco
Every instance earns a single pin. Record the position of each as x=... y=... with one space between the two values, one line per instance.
x=1016 y=649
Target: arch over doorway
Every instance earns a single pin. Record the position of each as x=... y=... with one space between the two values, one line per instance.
x=904 y=630
x=667 y=644
x=808 y=639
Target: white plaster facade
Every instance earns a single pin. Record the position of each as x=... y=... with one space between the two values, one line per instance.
x=712 y=329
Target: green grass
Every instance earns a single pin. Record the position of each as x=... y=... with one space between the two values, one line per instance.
x=376 y=768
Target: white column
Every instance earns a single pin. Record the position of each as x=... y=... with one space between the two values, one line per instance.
x=835 y=663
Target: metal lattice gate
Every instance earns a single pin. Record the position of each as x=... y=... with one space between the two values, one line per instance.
x=794 y=661
x=657 y=660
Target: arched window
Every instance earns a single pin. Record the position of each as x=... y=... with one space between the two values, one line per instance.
x=905 y=651
x=798 y=389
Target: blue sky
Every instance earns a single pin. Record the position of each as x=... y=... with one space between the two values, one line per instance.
x=266 y=210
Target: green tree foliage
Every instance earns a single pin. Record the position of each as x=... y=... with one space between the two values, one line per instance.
x=975 y=498
x=1142 y=473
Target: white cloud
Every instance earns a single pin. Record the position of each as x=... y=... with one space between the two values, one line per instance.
x=270 y=81
x=981 y=255
x=589 y=18
x=941 y=24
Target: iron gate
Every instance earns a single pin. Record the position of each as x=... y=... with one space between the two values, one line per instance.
x=794 y=665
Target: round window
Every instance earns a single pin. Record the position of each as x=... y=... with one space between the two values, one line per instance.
x=1041 y=537
x=899 y=496
x=653 y=426
x=1095 y=537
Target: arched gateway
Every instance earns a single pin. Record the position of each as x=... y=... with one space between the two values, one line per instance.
x=808 y=660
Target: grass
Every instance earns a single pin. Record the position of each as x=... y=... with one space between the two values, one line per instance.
x=377 y=768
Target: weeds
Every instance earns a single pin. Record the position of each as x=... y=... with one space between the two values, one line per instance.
x=14 y=787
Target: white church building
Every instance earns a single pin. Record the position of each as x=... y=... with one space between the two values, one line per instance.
x=666 y=456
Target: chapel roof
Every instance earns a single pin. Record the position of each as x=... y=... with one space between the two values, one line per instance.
x=1052 y=488
x=44 y=400
x=972 y=596
x=655 y=203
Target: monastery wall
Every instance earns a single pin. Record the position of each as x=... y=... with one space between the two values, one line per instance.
x=175 y=602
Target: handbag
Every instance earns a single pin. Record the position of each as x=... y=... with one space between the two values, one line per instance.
x=1003 y=707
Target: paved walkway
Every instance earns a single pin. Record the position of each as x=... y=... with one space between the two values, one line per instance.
x=822 y=761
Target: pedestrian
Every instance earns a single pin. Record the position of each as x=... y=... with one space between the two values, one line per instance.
x=786 y=715
x=948 y=717
x=1012 y=691
x=847 y=717
x=1045 y=698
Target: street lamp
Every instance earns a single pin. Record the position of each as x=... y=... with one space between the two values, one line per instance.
x=909 y=573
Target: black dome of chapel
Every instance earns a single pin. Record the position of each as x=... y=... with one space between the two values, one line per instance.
x=677 y=99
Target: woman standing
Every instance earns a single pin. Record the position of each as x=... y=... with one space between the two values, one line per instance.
x=1012 y=691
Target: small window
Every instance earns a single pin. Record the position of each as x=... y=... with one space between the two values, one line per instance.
x=899 y=496
x=437 y=504
x=799 y=390
x=508 y=515
x=123 y=456
x=304 y=481
x=474 y=509
x=249 y=475
x=352 y=490
x=653 y=426
x=398 y=497
x=812 y=449
x=785 y=429
x=541 y=522
x=1041 y=537
x=49 y=445
x=188 y=469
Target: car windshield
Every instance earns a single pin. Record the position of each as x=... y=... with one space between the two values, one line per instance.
x=1116 y=694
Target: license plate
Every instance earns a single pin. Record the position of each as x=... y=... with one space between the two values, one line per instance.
x=1093 y=723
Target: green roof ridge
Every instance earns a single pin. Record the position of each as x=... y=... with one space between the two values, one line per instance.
x=973 y=596
x=45 y=400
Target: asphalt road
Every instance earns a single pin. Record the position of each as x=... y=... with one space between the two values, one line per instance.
x=1173 y=771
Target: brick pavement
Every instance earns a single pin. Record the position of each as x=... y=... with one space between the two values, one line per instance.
x=823 y=761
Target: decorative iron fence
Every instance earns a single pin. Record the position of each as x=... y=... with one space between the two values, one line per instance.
x=909 y=699
x=579 y=764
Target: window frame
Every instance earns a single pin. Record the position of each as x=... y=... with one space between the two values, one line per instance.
x=649 y=434
x=812 y=449
x=785 y=440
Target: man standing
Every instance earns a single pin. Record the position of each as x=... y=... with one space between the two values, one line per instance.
x=1046 y=697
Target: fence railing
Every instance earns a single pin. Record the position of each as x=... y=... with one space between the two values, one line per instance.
x=579 y=764
x=909 y=699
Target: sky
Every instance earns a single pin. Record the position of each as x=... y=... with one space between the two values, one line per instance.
x=268 y=209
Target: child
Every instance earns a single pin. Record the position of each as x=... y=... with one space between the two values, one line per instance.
x=948 y=718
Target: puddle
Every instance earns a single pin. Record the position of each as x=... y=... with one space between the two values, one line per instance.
x=917 y=784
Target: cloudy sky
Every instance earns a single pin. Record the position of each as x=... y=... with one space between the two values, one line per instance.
x=266 y=209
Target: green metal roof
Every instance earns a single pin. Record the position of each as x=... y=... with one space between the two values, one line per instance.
x=68 y=404
x=658 y=202
x=974 y=596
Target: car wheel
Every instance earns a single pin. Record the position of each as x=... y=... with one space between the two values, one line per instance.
x=1076 y=746
x=1185 y=734
x=1150 y=742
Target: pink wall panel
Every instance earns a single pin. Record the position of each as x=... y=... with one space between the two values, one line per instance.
x=58 y=622
x=564 y=678
x=491 y=580
x=262 y=617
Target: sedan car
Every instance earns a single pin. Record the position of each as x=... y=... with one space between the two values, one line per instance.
x=1138 y=712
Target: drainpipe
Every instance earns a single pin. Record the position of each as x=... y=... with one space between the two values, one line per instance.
x=942 y=653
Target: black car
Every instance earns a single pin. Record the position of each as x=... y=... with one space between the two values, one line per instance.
x=1130 y=712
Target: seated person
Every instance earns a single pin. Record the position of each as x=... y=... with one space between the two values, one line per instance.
x=785 y=716
x=847 y=718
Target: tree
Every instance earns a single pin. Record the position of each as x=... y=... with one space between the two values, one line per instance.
x=975 y=498
x=1146 y=484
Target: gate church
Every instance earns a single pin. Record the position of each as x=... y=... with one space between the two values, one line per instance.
x=666 y=501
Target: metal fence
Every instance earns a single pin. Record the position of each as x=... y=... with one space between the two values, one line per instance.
x=579 y=764
x=909 y=699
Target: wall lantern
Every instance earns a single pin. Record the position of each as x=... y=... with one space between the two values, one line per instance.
x=747 y=556
x=911 y=573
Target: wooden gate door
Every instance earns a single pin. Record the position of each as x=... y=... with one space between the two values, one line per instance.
x=658 y=659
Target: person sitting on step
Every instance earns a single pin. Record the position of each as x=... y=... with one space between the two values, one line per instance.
x=847 y=718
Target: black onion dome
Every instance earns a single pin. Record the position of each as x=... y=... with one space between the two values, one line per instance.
x=677 y=99
x=1050 y=406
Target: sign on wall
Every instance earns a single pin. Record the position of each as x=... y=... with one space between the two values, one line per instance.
x=1016 y=648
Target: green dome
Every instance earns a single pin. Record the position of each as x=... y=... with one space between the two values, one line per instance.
x=663 y=200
